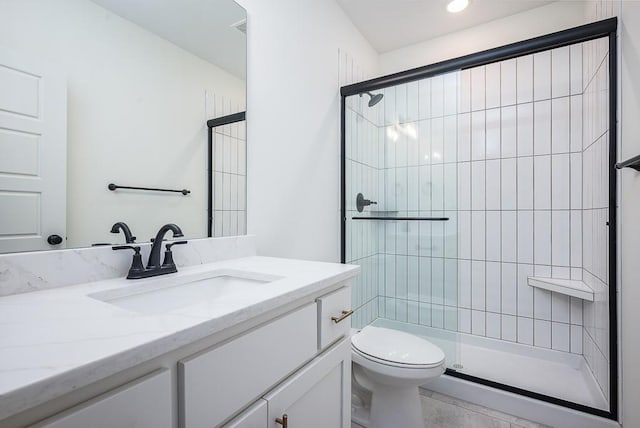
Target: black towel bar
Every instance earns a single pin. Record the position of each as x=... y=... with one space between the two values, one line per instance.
x=634 y=163
x=114 y=187
x=402 y=218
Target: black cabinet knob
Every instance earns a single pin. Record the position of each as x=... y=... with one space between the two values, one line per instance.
x=54 y=239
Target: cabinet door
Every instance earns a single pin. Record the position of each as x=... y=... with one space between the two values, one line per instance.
x=318 y=396
x=254 y=417
x=143 y=403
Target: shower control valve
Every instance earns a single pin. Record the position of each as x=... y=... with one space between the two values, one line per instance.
x=361 y=202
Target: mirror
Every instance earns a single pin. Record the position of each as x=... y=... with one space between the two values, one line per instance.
x=99 y=92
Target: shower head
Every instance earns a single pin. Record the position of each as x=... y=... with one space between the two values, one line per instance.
x=375 y=99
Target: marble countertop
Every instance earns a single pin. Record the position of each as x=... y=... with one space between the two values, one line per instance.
x=55 y=341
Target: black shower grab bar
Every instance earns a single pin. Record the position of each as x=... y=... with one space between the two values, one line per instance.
x=402 y=218
x=114 y=187
x=634 y=163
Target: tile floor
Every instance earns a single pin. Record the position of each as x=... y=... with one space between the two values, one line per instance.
x=442 y=411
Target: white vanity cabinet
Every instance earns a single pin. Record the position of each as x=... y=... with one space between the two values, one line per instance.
x=218 y=382
x=255 y=416
x=295 y=361
x=143 y=403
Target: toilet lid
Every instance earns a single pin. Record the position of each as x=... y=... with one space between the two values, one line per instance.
x=397 y=347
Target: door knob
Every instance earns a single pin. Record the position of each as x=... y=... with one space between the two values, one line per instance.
x=54 y=239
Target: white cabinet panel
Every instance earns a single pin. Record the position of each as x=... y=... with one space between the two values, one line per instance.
x=318 y=396
x=143 y=403
x=332 y=306
x=254 y=417
x=219 y=382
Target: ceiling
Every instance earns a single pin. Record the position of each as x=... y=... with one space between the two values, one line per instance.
x=202 y=27
x=392 y=24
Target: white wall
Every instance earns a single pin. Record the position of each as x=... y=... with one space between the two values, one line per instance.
x=136 y=115
x=629 y=211
x=293 y=134
x=532 y=23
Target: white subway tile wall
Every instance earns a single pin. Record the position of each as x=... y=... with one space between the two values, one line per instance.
x=502 y=175
x=515 y=154
x=229 y=171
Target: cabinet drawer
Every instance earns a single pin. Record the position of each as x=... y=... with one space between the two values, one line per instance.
x=332 y=306
x=216 y=383
x=145 y=402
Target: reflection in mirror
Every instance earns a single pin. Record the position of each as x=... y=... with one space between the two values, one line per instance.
x=227 y=211
x=114 y=91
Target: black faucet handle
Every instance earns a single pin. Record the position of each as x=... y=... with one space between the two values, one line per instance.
x=137 y=267
x=168 y=255
x=126 y=247
x=172 y=243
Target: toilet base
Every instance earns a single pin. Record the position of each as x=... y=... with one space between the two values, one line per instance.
x=376 y=405
x=359 y=414
x=390 y=409
x=397 y=407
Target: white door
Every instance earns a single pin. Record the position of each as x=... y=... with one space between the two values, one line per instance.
x=33 y=155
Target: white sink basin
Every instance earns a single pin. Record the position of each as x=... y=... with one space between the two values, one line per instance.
x=166 y=293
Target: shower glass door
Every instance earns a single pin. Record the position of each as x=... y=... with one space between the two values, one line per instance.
x=401 y=174
x=479 y=204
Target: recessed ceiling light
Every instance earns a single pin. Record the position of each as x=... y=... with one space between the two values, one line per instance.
x=455 y=6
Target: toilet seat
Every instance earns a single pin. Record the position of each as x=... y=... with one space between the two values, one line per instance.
x=390 y=364
x=396 y=349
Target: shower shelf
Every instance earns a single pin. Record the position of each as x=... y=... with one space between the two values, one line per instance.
x=401 y=218
x=569 y=287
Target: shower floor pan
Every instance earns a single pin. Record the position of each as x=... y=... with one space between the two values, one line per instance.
x=552 y=373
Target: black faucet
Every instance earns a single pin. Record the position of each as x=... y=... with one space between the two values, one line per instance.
x=154 y=256
x=122 y=226
x=154 y=268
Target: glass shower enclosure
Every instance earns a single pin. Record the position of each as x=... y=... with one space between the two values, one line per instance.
x=402 y=207
x=479 y=201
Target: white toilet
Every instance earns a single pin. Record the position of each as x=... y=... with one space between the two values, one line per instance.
x=388 y=367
